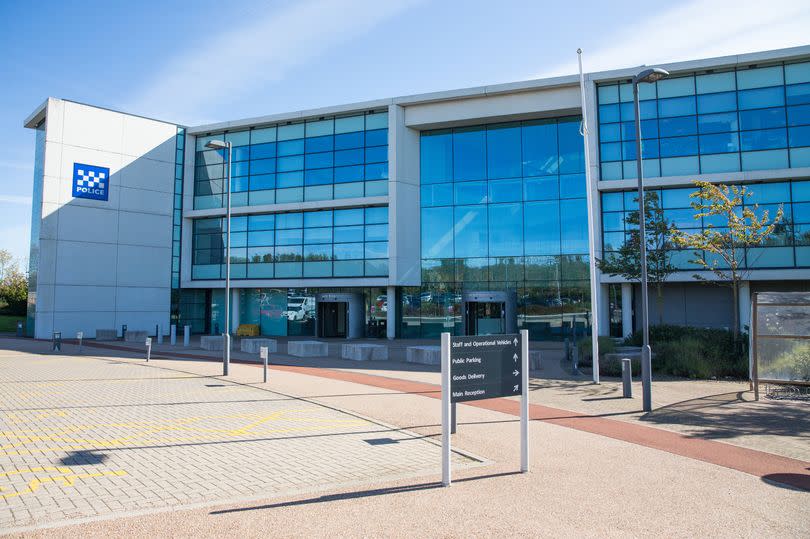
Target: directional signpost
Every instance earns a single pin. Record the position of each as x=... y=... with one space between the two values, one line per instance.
x=484 y=367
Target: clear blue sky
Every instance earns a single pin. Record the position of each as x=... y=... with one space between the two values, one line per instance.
x=202 y=61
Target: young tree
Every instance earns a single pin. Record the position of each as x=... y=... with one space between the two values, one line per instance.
x=721 y=250
x=14 y=291
x=627 y=260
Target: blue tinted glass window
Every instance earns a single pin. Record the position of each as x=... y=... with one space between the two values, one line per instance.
x=349 y=174
x=286 y=164
x=761 y=98
x=542 y=228
x=377 y=249
x=574 y=226
x=376 y=171
x=469 y=154
x=470 y=193
x=608 y=113
x=317 y=218
x=674 y=127
x=762 y=118
x=539 y=147
x=350 y=140
x=572 y=185
x=261 y=222
x=607 y=133
x=721 y=102
x=289 y=237
x=349 y=217
x=719 y=143
x=436 y=157
x=543 y=188
x=763 y=140
x=290 y=179
x=262 y=151
x=377 y=154
x=290 y=147
x=612 y=202
x=319 y=144
x=470 y=231
x=263 y=166
x=611 y=151
x=718 y=123
x=572 y=150
x=799 y=115
x=440 y=194
x=241 y=153
x=319 y=160
x=318 y=235
x=289 y=220
x=505 y=190
x=676 y=106
x=503 y=152
x=649 y=130
x=377 y=214
x=349 y=157
x=344 y=234
x=800 y=136
x=378 y=137
x=348 y=251
x=376 y=232
x=437 y=232
x=675 y=147
x=798 y=94
x=505 y=225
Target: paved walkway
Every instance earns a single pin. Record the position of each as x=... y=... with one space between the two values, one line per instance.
x=87 y=436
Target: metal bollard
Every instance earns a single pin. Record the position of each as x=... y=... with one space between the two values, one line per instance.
x=263 y=354
x=123 y=332
x=19 y=328
x=627 y=378
x=186 y=335
x=575 y=359
x=57 y=341
x=79 y=337
x=567 y=349
x=160 y=334
x=148 y=348
x=173 y=334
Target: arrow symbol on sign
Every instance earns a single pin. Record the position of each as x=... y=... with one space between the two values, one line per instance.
x=514 y=357
x=516 y=388
x=516 y=341
x=515 y=372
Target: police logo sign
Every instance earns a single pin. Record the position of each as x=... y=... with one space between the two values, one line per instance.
x=91 y=182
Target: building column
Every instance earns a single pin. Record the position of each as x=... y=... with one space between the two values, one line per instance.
x=603 y=309
x=391 y=314
x=745 y=304
x=234 y=310
x=627 y=309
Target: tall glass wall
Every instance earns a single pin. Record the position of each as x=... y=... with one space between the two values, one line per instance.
x=316 y=244
x=177 y=222
x=322 y=159
x=503 y=208
x=36 y=225
x=736 y=120
x=788 y=247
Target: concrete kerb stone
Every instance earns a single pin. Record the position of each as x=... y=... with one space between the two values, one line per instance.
x=364 y=352
x=251 y=346
x=425 y=355
x=213 y=343
x=307 y=348
x=135 y=336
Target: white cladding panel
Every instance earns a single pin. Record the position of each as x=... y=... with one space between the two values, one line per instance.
x=105 y=263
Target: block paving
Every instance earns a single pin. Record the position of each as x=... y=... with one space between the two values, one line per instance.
x=88 y=437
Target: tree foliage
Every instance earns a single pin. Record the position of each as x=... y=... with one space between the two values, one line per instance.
x=627 y=260
x=721 y=249
x=13 y=285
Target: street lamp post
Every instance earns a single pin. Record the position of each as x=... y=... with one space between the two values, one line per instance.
x=648 y=75
x=226 y=337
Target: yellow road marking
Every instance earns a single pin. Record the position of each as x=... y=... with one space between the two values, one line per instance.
x=67 y=478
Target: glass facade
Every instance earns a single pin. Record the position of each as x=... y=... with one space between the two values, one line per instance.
x=36 y=225
x=177 y=222
x=314 y=244
x=704 y=123
x=502 y=208
x=322 y=159
x=789 y=246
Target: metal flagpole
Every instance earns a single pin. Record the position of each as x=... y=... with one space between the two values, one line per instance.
x=591 y=219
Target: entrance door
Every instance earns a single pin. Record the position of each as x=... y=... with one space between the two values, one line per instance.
x=485 y=318
x=332 y=319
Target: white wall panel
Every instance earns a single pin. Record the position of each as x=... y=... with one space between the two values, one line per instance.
x=81 y=224
x=90 y=127
x=144 y=266
x=135 y=299
x=148 y=174
x=144 y=229
x=84 y=298
x=147 y=138
x=142 y=201
x=79 y=263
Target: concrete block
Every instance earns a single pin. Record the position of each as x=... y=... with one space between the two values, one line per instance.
x=251 y=346
x=213 y=343
x=136 y=336
x=426 y=355
x=364 y=352
x=106 y=335
x=307 y=348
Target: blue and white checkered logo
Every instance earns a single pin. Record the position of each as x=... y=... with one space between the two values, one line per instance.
x=91 y=182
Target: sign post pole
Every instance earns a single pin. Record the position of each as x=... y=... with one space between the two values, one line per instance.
x=524 y=400
x=263 y=353
x=148 y=344
x=445 y=348
x=79 y=337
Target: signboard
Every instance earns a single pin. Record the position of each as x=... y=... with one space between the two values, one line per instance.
x=90 y=181
x=484 y=367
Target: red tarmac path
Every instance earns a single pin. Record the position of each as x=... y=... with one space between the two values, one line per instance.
x=776 y=468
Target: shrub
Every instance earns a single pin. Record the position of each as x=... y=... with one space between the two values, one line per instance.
x=696 y=352
x=14 y=293
x=585 y=348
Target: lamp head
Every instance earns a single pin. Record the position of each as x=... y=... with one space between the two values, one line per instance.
x=216 y=145
x=651 y=75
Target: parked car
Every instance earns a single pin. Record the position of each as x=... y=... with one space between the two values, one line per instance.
x=300 y=308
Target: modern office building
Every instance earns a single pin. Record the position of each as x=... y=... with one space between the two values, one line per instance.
x=462 y=211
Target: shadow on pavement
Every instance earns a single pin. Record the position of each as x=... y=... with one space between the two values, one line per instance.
x=358 y=495
x=83 y=458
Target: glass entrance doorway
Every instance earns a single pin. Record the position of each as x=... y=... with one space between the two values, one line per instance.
x=485 y=318
x=332 y=319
